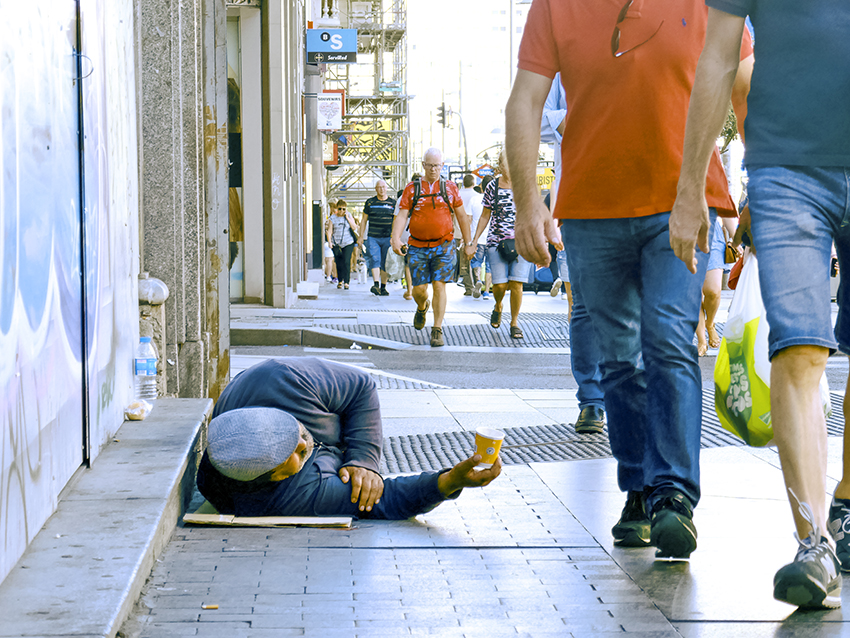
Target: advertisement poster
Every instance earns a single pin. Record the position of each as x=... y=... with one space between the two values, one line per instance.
x=330 y=111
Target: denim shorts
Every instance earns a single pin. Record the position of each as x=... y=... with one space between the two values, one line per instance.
x=717 y=248
x=503 y=272
x=432 y=264
x=797 y=212
x=376 y=251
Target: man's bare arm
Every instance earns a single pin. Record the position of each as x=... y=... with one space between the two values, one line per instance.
x=399 y=224
x=534 y=226
x=715 y=76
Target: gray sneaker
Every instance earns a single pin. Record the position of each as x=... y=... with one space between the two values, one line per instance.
x=813 y=579
x=839 y=528
x=476 y=289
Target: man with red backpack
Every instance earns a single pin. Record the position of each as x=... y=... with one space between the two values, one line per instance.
x=429 y=203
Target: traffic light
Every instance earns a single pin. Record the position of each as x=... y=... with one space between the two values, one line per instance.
x=441 y=114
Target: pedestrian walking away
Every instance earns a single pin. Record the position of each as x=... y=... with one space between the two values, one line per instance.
x=627 y=71
x=430 y=203
x=510 y=271
x=378 y=213
x=300 y=436
x=797 y=139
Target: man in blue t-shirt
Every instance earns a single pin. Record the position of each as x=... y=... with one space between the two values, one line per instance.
x=798 y=158
x=378 y=212
x=300 y=436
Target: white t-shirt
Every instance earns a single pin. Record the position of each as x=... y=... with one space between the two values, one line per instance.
x=476 y=207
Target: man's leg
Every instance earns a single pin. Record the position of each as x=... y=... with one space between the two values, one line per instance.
x=420 y=277
x=439 y=302
x=670 y=300
x=796 y=213
x=584 y=360
x=604 y=261
x=442 y=270
x=799 y=429
x=465 y=273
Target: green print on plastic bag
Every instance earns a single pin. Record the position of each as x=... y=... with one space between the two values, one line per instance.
x=739 y=401
x=741 y=398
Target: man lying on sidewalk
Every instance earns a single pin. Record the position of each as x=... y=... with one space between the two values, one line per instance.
x=299 y=436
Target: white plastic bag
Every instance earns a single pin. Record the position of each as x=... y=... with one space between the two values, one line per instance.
x=742 y=370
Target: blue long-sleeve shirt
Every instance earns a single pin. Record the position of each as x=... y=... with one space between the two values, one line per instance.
x=554 y=112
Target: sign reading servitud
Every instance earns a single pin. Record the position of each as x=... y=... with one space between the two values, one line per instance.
x=331 y=46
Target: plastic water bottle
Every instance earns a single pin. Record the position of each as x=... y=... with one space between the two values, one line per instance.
x=145 y=370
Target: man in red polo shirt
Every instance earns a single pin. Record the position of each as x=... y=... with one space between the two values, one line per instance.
x=431 y=252
x=627 y=71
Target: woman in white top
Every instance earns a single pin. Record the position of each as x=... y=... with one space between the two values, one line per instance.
x=342 y=238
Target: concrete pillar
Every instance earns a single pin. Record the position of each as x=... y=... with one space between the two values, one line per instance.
x=183 y=171
x=284 y=207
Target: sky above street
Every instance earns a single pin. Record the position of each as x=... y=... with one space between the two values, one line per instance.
x=460 y=52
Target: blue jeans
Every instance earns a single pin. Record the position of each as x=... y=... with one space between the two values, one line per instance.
x=644 y=306
x=584 y=353
x=797 y=212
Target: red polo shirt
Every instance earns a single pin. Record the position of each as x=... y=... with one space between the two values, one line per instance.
x=625 y=125
x=431 y=220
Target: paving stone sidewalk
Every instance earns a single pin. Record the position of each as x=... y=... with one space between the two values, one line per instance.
x=509 y=560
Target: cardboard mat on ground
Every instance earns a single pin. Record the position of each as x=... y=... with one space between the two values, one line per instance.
x=206 y=514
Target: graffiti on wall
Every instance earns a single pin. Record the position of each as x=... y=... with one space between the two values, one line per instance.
x=41 y=338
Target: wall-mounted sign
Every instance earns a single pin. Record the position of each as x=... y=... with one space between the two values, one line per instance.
x=331 y=46
x=330 y=111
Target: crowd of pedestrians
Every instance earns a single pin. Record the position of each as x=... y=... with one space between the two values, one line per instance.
x=632 y=97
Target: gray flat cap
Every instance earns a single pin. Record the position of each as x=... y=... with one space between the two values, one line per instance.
x=246 y=443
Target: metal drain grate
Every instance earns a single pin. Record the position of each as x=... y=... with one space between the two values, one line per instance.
x=544 y=443
x=550 y=333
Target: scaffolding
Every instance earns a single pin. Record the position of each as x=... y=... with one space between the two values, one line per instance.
x=373 y=143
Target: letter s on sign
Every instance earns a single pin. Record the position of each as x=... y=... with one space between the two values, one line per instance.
x=336 y=42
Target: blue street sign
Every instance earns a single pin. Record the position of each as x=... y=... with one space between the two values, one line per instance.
x=331 y=46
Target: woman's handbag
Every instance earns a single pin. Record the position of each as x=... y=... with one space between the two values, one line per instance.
x=337 y=251
x=507 y=250
x=731 y=255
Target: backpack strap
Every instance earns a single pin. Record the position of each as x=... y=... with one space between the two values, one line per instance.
x=417 y=194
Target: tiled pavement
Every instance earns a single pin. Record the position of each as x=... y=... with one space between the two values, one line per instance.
x=506 y=561
x=530 y=555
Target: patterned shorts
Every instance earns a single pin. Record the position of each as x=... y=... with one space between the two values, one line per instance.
x=432 y=264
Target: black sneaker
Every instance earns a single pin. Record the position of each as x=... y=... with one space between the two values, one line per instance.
x=375 y=290
x=384 y=292
x=672 y=527
x=632 y=530
x=839 y=528
x=419 y=316
x=813 y=580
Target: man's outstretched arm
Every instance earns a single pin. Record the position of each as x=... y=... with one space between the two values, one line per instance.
x=715 y=76
x=534 y=225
